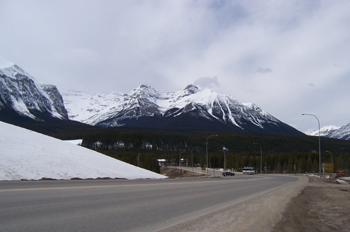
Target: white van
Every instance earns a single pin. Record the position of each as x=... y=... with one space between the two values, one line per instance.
x=249 y=171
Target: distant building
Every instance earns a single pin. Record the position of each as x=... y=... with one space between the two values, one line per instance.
x=162 y=162
x=118 y=144
x=147 y=145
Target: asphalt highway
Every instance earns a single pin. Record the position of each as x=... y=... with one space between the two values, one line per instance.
x=123 y=205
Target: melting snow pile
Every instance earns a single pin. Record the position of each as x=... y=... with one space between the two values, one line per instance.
x=25 y=154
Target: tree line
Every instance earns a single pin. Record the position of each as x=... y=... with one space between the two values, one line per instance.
x=281 y=153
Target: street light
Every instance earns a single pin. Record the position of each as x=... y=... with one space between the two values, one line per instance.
x=224 y=149
x=331 y=155
x=138 y=158
x=319 y=141
x=192 y=159
x=260 y=156
x=180 y=159
x=206 y=149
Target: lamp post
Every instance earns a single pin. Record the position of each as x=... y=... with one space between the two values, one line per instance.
x=331 y=155
x=206 y=149
x=319 y=141
x=138 y=159
x=180 y=159
x=192 y=159
x=260 y=156
x=224 y=149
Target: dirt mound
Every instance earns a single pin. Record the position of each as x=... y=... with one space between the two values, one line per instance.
x=178 y=173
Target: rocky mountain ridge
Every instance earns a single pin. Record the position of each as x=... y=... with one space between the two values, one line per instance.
x=190 y=108
x=24 y=95
x=144 y=107
x=334 y=132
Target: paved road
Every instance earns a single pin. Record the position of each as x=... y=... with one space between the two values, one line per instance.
x=122 y=205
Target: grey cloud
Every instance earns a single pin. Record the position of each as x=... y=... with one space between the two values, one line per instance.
x=228 y=13
x=264 y=70
x=118 y=45
x=207 y=82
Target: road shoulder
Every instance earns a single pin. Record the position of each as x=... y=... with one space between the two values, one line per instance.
x=321 y=206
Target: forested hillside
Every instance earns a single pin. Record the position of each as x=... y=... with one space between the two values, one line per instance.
x=281 y=154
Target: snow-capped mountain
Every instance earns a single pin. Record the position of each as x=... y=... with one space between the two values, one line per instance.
x=342 y=133
x=334 y=132
x=324 y=131
x=190 y=108
x=84 y=106
x=24 y=95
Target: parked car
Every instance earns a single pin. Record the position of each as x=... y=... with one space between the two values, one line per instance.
x=228 y=174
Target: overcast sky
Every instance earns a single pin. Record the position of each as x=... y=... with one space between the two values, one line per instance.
x=288 y=57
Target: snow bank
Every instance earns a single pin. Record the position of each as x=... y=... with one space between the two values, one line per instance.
x=75 y=141
x=338 y=181
x=29 y=155
x=313 y=175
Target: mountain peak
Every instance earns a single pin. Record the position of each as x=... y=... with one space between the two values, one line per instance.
x=144 y=91
x=23 y=94
x=145 y=86
x=192 y=88
x=11 y=70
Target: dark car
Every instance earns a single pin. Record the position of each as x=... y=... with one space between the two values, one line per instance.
x=228 y=174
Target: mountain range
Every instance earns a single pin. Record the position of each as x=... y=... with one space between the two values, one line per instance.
x=144 y=107
x=190 y=108
x=334 y=132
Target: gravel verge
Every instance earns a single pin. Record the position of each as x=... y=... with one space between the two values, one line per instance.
x=321 y=206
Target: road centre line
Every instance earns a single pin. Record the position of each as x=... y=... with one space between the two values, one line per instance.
x=112 y=186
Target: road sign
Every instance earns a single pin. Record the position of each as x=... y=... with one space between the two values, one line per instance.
x=341 y=172
x=328 y=167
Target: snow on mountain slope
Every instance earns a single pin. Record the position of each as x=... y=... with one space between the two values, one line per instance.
x=11 y=70
x=190 y=108
x=324 y=131
x=145 y=102
x=341 y=133
x=23 y=94
x=28 y=155
x=86 y=107
x=334 y=132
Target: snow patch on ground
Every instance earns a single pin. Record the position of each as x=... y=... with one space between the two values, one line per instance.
x=75 y=141
x=339 y=181
x=25 y=154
